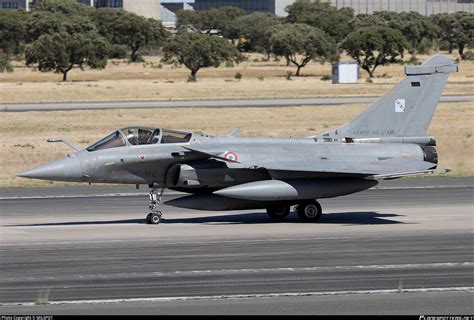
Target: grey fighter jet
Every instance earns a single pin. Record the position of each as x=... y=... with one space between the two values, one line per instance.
x=388 y=140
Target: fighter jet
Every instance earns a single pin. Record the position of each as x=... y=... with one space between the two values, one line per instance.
x=386 y=141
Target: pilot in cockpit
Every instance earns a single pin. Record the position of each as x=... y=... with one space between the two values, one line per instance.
x=144 y=136
x=132 y=136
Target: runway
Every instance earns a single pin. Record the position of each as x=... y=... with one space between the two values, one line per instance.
x=406 y=248
x=241 y=103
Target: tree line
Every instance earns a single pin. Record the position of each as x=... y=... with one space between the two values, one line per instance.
x=58 y=35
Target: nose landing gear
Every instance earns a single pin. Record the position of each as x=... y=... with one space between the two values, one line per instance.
x=155 y=216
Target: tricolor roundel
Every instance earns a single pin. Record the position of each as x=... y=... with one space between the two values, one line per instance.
x=230 y=156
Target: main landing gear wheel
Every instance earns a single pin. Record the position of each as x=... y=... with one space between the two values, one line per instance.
x=309 y=211
x=278 y=213
x=155 y=216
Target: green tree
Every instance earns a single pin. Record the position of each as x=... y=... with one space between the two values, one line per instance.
x=217 y=20
x=12 y=36
x=125 y=28
x=301 y=43
x=12 y=30
x=196 y=51
x=5 y=65
x=456 y=29
x=415 y=27
x=64 y=7
x=367 y=20
x=321 y=14
x=63 y=36
x=61 y=51
x=466 y=35
x=449 y=27
x=255 y=29
x=44 y=22
x=191 y=20
x=420 y=31
x=374 y=46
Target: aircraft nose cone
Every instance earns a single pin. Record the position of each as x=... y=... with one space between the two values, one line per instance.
x=67 y=169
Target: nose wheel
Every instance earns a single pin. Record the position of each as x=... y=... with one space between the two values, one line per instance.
x=155 y=215
x=154 y=218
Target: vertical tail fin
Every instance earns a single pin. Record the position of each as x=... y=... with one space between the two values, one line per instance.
x=406 y=111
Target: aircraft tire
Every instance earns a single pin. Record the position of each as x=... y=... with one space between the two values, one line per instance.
x=309 y=211
x=278 y=213
x=148 y=218
x=155 y=218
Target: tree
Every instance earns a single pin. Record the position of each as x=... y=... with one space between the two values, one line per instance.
x=191 y=20
x=367 y=20
x=44 y=22
x=215 y=20
x=465 y=37
x=63 y=36
x=196 y=51
x=449 y=27
x=12 y=36
x=5 y=65
x=415 y=27
x=61 y=51
x=420 y=31
x=63 y=7
x=301 y=43
x=255 y=29
x=125 y=28
x=12 y=30
x=456 y=29
x=374 y=46
x=321 y=14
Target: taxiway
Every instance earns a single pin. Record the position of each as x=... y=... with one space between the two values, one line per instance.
x=405 y=244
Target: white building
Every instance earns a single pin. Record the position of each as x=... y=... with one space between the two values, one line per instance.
x=425 y=7
x=146 y=8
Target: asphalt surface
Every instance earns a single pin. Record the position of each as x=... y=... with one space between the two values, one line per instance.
x=247 y=103
x=405 y=248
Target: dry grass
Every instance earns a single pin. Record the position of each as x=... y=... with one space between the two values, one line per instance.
x=122 y=81
x=24 y=135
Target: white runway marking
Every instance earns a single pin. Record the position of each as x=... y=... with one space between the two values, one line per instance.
x=303 y=269
x=252 y=296
x=183 y=273
x=103 y=195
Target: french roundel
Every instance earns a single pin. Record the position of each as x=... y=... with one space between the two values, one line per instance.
x=230 y=156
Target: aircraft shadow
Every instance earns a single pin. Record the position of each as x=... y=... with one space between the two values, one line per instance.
x=348 y=218
x=362 y=218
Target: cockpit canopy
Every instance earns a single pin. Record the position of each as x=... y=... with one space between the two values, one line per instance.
x=140 y=136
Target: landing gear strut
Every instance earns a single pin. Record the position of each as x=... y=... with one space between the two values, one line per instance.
x=154 y=217
x=309 y=211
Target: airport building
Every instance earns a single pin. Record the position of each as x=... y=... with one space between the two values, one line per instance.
x=166 y=9
x=272 y=6
x=146 y=8
x=14 y=4
x=425 y=7
x=169 y=9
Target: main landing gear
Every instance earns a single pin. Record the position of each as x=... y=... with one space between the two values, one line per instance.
x=278 y=213
x=308 y=211
x=155 y=216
